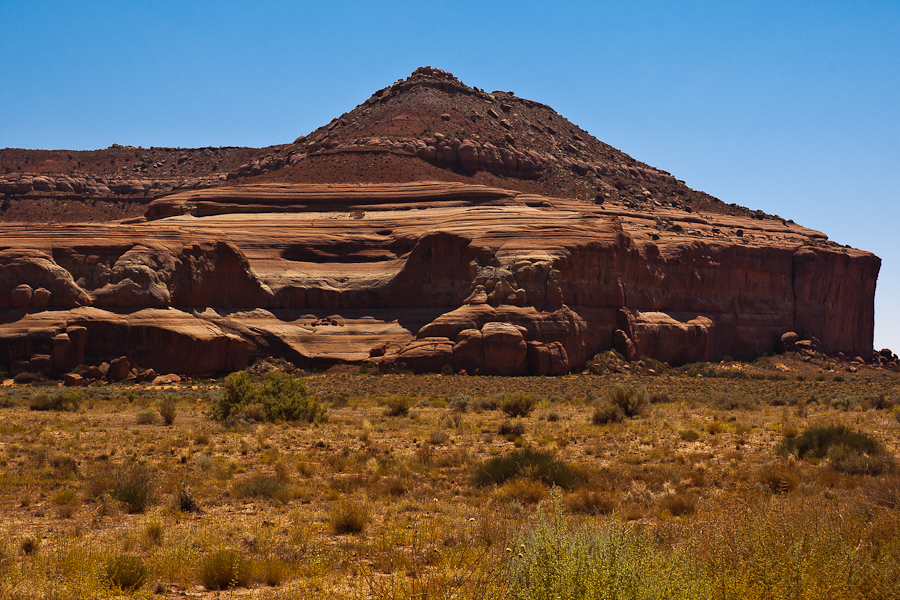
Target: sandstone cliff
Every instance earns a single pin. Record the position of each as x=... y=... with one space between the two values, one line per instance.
x=420 y=276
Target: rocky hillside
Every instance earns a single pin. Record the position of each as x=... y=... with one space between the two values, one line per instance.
x=102 y=185
x=494 y=138
x=436 y=226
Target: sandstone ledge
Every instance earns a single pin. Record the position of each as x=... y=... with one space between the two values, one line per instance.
x=422 y=275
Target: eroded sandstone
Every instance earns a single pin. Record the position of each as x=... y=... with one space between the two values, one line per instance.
x=420 y=276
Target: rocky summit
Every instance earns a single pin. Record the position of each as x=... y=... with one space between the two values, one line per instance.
x=434 y=226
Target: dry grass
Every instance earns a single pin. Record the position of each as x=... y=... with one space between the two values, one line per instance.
x=370 y=505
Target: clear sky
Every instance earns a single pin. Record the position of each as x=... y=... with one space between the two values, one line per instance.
x=792 y=107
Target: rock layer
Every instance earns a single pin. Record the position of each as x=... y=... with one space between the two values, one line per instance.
x=421 y=276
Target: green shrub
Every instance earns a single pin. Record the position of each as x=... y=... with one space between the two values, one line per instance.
x=818 y=439
x=531 y=464
x=517 y=404
x=125 y=571
x=225 y=569
x=65 y=399
x=279 y=397
x=27 y=377
x=734 y=400
x=846 y=450
x=611 y=562
x=397 y=406
x=630 y=400
x=605 y=413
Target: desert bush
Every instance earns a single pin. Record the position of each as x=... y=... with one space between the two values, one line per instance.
x=605 y=413
x=733 y=401
x=597 y=563
x=777 y=478
x=154 y=533
x=522 y=490
x=815 y=441
x=65 y=399
x=184 y=500
x=514 y=428
x=662 y=398
x=225 y=569
x=397 y=406
x=533 y=464
x=460 y=403
x=689 y=435
x=849 y=460
x=349 y=516
x=279 y=397
x=679 y=504
x=167 y=410
x=846 y=450
x=126 y=572
x=263 y=486
x=517 y=404
x=146 y=417
x=630 y=400
x=130 y=484
x=438 y=437
x=270 y=571
x=591 y=501
x=27 y=377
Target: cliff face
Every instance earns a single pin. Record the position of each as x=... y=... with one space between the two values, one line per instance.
x=421 y=276
x=434 y=224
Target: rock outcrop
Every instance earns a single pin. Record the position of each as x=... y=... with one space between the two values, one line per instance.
x=422 y=276
x=435 y=226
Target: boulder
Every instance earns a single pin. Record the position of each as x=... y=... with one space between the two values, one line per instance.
x=505 y=350
x=424 y=355
x=73 y=380
x=789 y=341
x=21 y=295
x=40 y=298
x=169 y=379
x=118 y=369
x=547 y=359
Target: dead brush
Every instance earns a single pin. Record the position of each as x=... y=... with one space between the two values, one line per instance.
x=591 y=501
x=776 y=478
x=349 y=516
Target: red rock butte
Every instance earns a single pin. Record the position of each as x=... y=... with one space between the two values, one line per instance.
x=434 y=226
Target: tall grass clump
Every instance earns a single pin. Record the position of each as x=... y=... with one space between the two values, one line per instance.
x=814 y=550
x=167 y=410
x=263 y=486
x=530 y=464
x=279 y=397
x=126 y=572
x=224 y=570
x=615 y=561
x=132 y=484
x=349 y=516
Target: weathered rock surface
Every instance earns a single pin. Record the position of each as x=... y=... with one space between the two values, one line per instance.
x=420 y=276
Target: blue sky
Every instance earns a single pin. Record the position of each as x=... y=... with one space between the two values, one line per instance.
x=789 y=107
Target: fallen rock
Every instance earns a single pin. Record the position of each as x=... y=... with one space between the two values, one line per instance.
x=169 y=379
x=73 y=380
x=118 y=369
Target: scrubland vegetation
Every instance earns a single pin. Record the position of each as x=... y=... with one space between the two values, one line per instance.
x=715 y=482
